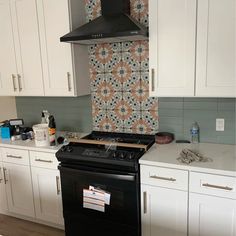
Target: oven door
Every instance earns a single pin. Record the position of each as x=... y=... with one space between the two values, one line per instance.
x=121 y=217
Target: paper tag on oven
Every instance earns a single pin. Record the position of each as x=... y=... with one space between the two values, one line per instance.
x=93 y=200
x=107 y=195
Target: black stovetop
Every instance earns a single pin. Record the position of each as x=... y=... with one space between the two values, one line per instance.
x=106 y=156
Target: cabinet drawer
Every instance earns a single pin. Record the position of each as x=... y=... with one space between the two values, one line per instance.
x=16 y=156
x=43 y=159
x=164 y=177
x=217 y=185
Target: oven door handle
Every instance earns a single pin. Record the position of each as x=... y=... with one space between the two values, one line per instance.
x=126 y=177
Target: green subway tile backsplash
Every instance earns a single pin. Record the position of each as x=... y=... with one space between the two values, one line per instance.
x=72 y=114
x=177 y=115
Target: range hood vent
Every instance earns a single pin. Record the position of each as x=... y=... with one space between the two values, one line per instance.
x=114 y=25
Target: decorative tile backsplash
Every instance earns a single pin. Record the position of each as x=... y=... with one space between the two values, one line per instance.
x=119 y=80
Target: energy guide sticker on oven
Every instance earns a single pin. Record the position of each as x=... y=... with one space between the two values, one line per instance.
x=95 y=199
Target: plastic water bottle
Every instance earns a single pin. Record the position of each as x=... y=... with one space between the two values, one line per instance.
x=194 y=133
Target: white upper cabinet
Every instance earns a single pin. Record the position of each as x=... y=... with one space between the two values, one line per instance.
x=8 y=69
x=60 y=77
x=27 y=47
x=216 y=48
x=192 y=48
x=172 y=47
x=33 y=61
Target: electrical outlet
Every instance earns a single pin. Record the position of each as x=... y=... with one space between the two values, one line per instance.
x=220 y=124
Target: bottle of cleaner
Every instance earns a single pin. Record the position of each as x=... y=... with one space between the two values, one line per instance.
x=194 y=132
x=52 y=130
x=43 y=119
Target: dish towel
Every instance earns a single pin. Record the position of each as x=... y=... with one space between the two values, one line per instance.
x=187 y=156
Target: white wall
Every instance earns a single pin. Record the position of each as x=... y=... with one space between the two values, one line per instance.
x=7 y=108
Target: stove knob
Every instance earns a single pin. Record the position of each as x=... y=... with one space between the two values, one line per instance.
x=122 y=155
x=114 y=155
x=131 y=156
x=63 y=148
x=69 y=149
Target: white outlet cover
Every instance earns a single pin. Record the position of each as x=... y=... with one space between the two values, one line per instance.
x=220 y=124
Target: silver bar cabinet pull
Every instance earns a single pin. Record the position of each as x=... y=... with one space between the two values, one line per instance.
x=19 y=82
x=69 y=81
x=41 y=160
x=145 y=202
x=162 y=178
x=217 y=187
x=58 y=185
x=16 y=157
x=1 y=175
x=14 y=82
x=153 y=80
x=4 y=175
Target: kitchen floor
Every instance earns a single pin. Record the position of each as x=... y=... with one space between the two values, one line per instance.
x=10 y=226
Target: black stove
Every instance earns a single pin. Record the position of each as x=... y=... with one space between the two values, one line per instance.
x=109 y=154
x=108 y=163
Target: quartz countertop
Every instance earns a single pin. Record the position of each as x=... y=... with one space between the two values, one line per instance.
x=30 y=145
x=223 y=157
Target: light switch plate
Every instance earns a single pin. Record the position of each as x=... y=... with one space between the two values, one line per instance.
x=220 y=124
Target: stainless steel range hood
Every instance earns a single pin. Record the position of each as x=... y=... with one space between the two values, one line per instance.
x=114 y=25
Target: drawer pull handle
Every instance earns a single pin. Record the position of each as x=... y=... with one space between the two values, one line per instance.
x=14 y=82
x=153 y=80
x=162 y=178
x=218 y=187
x=19 y=82
x=1 y=175
x=145 y=202
x=69 y=81
x=4 y=175
x=58 y=185
x=41 y=160
x=16 y=157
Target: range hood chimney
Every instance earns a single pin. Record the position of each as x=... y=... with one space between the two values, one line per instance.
x=114 y=25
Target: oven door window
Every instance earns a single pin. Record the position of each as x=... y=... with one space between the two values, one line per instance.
x=123 y=189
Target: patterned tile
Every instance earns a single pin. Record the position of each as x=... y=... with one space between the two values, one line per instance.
x=119 y=80
x=96 y=81
x=134 y=9
x=131 y=118
x=114 y=99
x=132 y=83
x=129 y=98
x=131 y=60
x=98 y=117
x=98 y=101
x=144 y=80
x=94 y=65
x=151 y=118
x=114 y=81
x=148 y=103
x=112 y=115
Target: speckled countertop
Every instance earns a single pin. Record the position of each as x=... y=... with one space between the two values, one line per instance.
x=223 y=157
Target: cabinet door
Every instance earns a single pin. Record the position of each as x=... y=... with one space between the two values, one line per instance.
x=57 y=56
x=3 y=199
x=47 y=195
x=164 y=211
x=216 y=48
x=27 y=45
x=172 y=29
x=211 y=216
x=8 y=70
x=19 y=189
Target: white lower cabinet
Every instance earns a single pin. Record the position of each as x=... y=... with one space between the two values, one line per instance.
x=3 y=199
x=47 y=195
x=19 y=189
x=178 y=203
x=211 y=216
x=164 y=201
x=164 y=211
